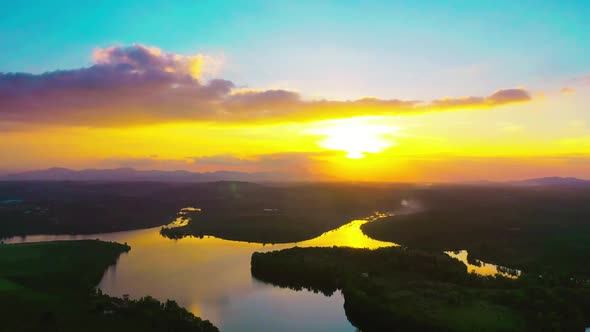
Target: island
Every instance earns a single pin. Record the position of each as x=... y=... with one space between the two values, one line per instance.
x=284 y=213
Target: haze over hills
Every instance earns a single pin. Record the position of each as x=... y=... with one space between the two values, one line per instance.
x=553 y=181
x=550 y=181
x=134 y=175
x=130 y=174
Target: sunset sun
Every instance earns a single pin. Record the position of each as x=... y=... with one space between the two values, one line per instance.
x=356 y=137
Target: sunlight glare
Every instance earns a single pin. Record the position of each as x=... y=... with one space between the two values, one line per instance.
x=354 y=136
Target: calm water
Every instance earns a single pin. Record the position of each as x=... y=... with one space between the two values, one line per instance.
x=211 y=277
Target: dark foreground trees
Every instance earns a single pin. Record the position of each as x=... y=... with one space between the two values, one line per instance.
x=397 y=289
x=49 y=286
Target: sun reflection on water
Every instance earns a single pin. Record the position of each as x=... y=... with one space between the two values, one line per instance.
x=483 y=268
x=349 y=235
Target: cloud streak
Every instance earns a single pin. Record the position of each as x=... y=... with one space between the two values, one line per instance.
x=136 y=84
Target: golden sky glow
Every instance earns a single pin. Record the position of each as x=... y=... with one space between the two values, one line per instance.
x=465 y=92
x=508 y=142
x=145 y=108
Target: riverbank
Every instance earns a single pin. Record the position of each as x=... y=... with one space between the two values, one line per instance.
x=415 y=290
x=50 y=286
x=211 y=278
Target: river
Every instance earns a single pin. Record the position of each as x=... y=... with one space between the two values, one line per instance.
x=211 y=278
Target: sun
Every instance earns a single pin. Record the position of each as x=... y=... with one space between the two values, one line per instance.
x=357 y=136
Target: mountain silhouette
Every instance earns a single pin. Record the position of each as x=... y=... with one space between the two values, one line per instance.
x=130 y=174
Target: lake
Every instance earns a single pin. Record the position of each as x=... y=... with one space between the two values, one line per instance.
x=211 y=278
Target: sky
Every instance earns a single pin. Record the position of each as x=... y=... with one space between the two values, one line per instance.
x=421 y=91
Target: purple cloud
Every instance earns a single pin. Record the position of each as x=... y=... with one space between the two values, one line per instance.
x=508 y=96
x=500 y=97
x=135 y=84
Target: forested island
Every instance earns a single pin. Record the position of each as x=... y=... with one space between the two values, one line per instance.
x=286 y=213
x=50 y=286
x=412 y=290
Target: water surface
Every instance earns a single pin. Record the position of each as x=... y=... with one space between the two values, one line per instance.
x=211 y=278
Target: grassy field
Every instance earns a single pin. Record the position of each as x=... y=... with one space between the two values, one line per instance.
x=49 y=286
x=415 y=290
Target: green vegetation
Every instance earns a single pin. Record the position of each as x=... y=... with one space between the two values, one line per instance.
x=543 y=231
x=50 y=287
x=537 y=230
x=414 y=290
x=82 y=208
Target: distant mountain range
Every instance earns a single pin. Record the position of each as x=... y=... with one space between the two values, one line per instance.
x=551 y=181
x=554 y=181
x=130 y=174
